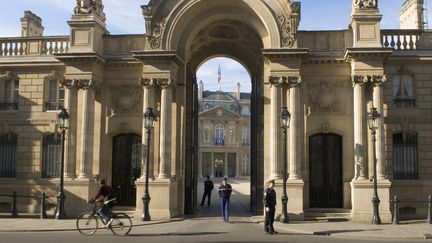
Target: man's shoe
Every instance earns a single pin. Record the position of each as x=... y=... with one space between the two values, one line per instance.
x=275 y=232
x=271 y=232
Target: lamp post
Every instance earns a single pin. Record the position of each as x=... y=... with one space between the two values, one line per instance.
x=374 y=122
x=63 y=117
x=149 y=119
x=285 y=117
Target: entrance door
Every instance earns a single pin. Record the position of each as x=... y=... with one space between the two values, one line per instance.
x=325 y=171
x=126 y=167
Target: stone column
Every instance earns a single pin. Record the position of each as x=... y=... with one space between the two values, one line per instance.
x=165 y=128
x=275 y=97
x=87 y=127
x=377 y=82
x=360 y=129
x=294 y=130
x=70 y=104
x=148 y=102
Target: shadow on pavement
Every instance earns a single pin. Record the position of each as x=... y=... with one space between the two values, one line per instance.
x=178 y=234
x=330 y=232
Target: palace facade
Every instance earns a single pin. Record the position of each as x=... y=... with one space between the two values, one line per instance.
x=329 y=80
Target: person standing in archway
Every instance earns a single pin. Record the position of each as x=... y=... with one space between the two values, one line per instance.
x=225 y=193
x=208 y=188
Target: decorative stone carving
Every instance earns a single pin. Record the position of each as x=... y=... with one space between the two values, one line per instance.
x=164 y=83
x=325 y=97
x=67 y=83
x=277 y=80
x=88 y=7
x=365 y=4
x=146 y=82
x=287 y=37
x=359 y=79
x=291 y=81
x=86 y=84
x=378 y=79
x=9 y=75
x=156 y=36
x=124 y=99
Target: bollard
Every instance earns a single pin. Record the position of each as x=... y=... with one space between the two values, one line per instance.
x=395 y=210
x=43 y=214
x=429 y=218
x=14 y=205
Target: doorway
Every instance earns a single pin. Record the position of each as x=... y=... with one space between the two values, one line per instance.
x=126 y=167
x=325 y=171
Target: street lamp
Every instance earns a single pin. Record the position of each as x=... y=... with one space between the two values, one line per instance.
x=374 y=122
x=285 y=118
x=149 y=119
x=63 y=117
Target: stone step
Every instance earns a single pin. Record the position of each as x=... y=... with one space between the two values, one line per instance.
x=327 y=214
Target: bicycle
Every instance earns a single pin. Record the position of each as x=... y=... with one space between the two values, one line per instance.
x=87 y=222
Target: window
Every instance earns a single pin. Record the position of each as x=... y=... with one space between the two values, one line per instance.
x=403 y=90
x=232 y=137
x=206 y=135
x=245 y=168
x=405 y=156
x=55 y=96
x=245 y=111
x=51 y=156
x=10 y=96
x=246 y=137
x=219 y=131
x=8 y=145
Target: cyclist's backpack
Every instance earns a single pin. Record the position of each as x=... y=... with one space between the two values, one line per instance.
x=110 y=200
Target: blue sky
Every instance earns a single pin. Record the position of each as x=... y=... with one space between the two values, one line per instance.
x=125 y=17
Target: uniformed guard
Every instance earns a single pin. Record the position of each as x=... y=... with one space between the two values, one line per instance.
x=270 y=207
x=208 y=188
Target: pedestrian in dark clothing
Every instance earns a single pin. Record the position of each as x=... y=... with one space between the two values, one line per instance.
x=270 y=207
x=225 y=193
x=208 y=188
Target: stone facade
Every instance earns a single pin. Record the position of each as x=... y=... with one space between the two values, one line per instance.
x=224 y=133
x=327 y=79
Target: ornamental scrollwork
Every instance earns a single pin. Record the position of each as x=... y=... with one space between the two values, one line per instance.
x=287 y=37
x=124 y=99
x=324 y=97
x=156 y=36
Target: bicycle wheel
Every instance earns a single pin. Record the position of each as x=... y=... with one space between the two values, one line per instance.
x=121 y=224
x=87 y=224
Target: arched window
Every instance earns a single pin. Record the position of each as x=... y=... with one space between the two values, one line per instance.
x=403 y=90
x=51 y=156
x=8 y=146
x=219 y=134
x=405 y=165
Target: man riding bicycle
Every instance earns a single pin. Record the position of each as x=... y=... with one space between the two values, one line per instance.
x=104 y=195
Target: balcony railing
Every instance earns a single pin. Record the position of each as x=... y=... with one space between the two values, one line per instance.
x=401 y=40
x=50 y=105
x=34 y=46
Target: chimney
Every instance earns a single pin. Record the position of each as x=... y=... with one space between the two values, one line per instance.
x=238 y=91
x=412 y=15
x=31 y=25
x=200 y=89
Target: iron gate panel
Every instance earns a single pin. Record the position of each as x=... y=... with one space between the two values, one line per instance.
x=126 y=167
x=325 y=171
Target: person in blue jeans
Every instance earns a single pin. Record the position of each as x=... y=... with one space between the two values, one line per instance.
x=225 y=193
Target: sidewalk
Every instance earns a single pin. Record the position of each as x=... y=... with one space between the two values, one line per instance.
x=348 y=229
x=44 y=225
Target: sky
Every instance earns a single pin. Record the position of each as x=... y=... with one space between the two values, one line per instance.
x=125 y=17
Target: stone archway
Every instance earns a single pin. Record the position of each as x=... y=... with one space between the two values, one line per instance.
x=183 y=34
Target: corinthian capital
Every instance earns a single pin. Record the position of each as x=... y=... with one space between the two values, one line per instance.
x=164 y=83
x=86 y=84
x=67 y=83
x=377 y=80
x=146 y=82
x=293 y=81
x=277 y=80
x=359 y=79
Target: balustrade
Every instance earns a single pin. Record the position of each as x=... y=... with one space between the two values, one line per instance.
x=34 y=46
x=401 y=40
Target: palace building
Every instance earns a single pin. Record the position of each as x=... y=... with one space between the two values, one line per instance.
x=224 y=133
x=328 y=79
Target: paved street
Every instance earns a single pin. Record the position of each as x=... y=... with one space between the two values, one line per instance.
x=209 y=227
